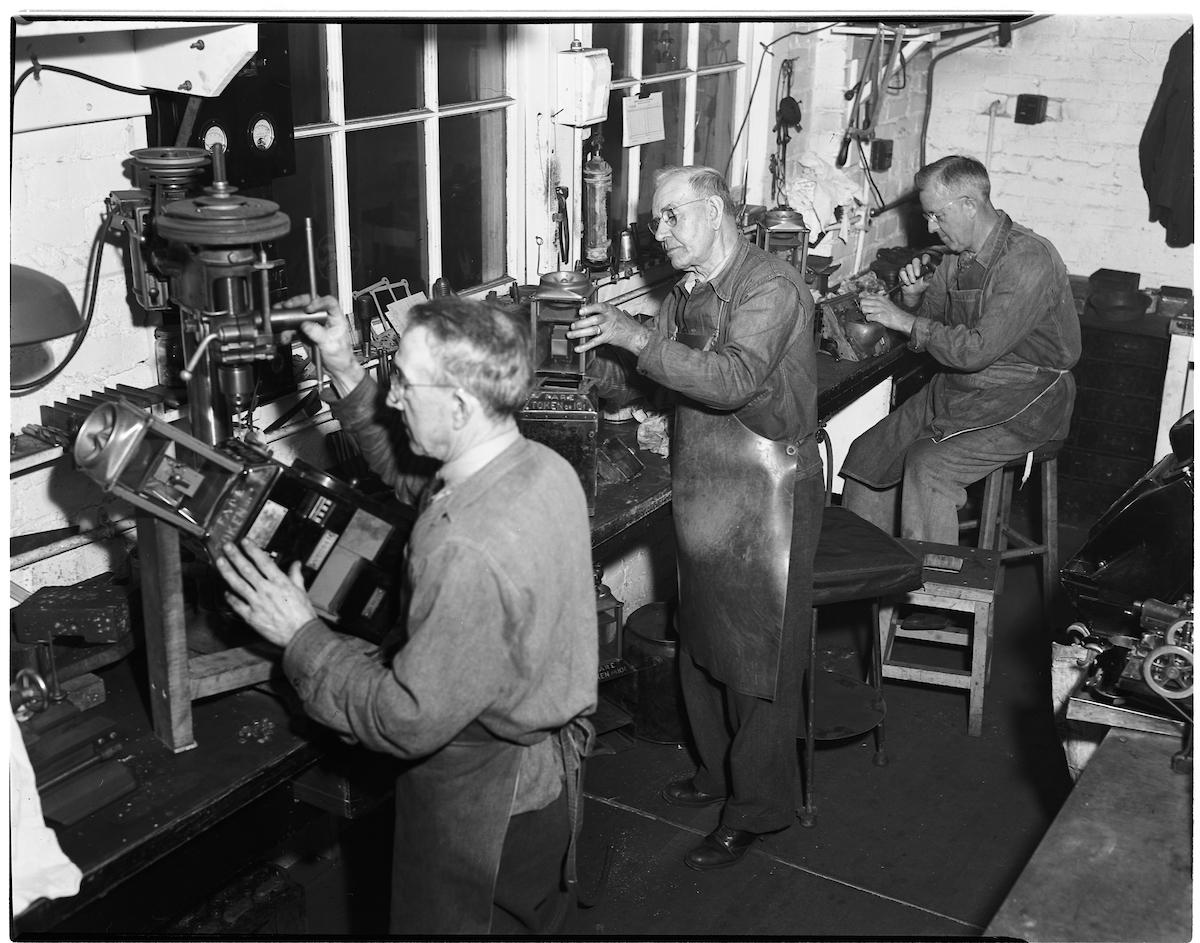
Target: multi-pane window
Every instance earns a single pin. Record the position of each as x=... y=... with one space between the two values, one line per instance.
x=697 y=68
x=401 y=153
x=409 y=147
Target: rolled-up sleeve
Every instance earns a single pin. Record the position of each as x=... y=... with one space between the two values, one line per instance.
x=757 y=339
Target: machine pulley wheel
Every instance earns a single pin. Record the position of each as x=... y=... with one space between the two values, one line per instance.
x=1168 y=672
x=222 y=219
x=1179 y=633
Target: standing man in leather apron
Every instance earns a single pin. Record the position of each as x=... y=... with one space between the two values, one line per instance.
x=998 y=315
x=485 y=688
x=734 y=341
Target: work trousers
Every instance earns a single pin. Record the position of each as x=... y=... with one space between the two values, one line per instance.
x=530 y=893
x=746 y=744
x=934 y=485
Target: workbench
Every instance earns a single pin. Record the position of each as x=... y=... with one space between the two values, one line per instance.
x=1116 y=862
x=255 y=740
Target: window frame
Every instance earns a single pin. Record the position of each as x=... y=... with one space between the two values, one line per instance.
x=690 y=72
x=336 y=128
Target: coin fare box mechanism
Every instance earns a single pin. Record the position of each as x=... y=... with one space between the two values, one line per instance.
x=563 y=410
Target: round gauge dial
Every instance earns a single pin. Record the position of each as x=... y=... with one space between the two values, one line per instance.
x=262 y=133
x=216 y=135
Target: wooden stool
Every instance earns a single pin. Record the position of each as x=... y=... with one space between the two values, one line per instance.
x=996 y=531
x=955 y=579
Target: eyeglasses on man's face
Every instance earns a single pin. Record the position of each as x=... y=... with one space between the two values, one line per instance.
x=400 y=384
x=936 y=216
x=668 y=215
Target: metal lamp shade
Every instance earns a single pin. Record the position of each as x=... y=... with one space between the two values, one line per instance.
x=41 y=308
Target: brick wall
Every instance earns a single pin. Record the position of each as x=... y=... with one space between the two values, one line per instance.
x=60 y=180
x=1074 y=178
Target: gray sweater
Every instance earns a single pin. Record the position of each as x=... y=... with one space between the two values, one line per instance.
x=501 y=625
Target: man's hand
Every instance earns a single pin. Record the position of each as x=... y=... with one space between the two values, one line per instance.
x=334 y=340
x=607 y=324
x=914 y=279
x=877 y=308
x=271 y=602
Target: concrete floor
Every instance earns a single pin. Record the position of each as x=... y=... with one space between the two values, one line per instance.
x=926 y=846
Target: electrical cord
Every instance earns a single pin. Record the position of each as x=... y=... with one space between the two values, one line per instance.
x=758 y=75
x=94 y=281
x=97 y=246
x=866 y=166
x=992 y=31
x=37 y=68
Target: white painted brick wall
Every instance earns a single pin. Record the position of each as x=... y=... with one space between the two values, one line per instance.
x=60 y=180
x=1074 y=178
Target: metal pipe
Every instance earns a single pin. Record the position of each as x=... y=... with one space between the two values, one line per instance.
x=57 y=548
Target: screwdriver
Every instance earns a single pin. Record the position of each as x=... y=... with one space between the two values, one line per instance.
x=927 y=269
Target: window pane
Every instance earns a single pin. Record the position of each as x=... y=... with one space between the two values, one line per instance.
x=714 y=119
x=663 y=46
x=308 y=193
x=473 y=204
x=470 y=63
x=306 y=59
x=611 y=36
x=387 y=218
x=718 y=43
x=382 y=68
x=666 y=152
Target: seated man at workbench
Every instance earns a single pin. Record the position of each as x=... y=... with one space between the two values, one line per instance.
x=1001 y=321
x=493 y=671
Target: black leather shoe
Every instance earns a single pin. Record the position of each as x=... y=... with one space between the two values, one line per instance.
x=721 y=848
x=684 y=792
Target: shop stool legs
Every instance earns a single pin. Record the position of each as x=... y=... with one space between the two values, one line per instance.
x=957 y=580
x=855 y=560
x=996 y=531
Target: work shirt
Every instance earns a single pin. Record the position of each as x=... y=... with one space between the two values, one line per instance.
x=501 y=634
x=1027 y=313
x=757 y=371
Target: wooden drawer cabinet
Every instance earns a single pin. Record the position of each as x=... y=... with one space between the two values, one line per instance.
x=1119 y=381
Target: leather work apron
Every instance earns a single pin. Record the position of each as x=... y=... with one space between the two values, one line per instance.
x=452 y=815
x=732 y=493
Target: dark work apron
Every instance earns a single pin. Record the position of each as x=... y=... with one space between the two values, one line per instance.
x=1024 y=398
x=452 y=814
x=732 y=492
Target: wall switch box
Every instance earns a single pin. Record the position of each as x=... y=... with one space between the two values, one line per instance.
x=1031 y=109
x=881 y=154
x=583 y=77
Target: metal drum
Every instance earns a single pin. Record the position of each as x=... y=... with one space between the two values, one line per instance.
x=651 y=646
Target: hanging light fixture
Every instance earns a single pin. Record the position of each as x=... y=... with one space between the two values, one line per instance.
x=41 y=308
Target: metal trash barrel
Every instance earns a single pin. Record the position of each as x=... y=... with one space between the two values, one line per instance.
x=651 y=647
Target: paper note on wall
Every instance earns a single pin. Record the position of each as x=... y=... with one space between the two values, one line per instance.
x=643 y=119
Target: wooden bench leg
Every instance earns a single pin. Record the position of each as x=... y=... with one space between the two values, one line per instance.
x=981 y=632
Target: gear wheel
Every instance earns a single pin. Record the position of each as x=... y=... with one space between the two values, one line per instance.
x=1168 y=672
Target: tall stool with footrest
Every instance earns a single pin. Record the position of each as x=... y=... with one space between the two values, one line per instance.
x=994 y=524
x=855 y=560
x=953 y=579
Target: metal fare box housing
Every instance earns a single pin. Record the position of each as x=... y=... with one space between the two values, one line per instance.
x=563 y=413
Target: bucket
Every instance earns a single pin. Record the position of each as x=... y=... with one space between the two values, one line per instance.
x=651 y=646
